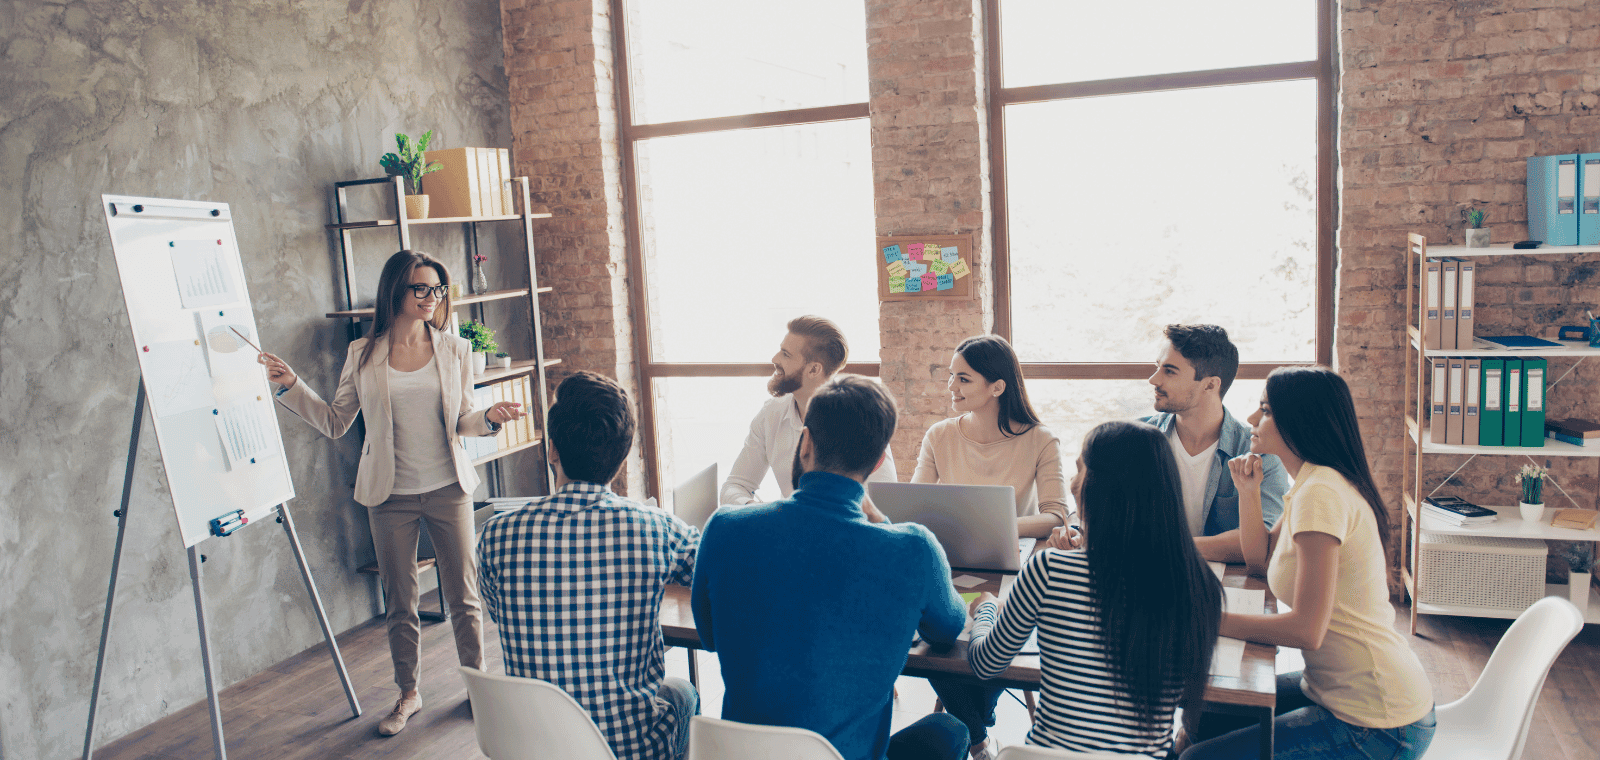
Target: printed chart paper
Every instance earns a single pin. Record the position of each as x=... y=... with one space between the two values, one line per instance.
x=227 y=354
x=176 y=378
x=204 y=275
x=246 y=431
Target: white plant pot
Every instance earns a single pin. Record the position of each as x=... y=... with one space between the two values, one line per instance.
x=1478 y=238
x=1531 y=512
x=479 y=362
x=503 y=362
x=1578 y=592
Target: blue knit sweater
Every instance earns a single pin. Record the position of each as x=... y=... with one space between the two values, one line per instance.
x=811 y=610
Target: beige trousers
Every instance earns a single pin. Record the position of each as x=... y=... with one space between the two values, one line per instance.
x=396 y=528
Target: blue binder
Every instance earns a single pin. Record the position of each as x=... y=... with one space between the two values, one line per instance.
x=1589 y=199
x=1553 y=199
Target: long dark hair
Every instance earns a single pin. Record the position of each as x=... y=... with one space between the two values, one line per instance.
x=1160 y=606
x=1316 y=416
x=992 y=357
x=394 y=288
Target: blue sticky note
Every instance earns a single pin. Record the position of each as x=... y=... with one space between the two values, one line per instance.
x=913 y=284
x=916 y=269
x=950 y=255
x=891 y=253
x=947 y=281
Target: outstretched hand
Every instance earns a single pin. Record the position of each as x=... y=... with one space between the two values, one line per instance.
x=505 y=411
x=277 y=369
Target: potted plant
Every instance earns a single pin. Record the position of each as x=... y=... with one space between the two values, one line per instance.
x=503 y=359
x=482 y=343
x=410 y=163
x=1477 y=235
x=1531 y=478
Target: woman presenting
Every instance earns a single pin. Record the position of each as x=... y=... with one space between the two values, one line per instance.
x=412 y=381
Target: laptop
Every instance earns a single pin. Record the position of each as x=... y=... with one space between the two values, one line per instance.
x=976 y=525
x=695 y=499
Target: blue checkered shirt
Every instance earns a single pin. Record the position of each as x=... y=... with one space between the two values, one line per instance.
x=574 y=581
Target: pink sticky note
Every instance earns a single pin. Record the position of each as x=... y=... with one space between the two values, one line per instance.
x=930 y=281
x=914 y=250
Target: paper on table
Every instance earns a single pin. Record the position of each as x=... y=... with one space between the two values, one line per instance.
x=966 y=581
x=1218 y=568
x=1228 y=658
x=204 y=277
x=1244 y=600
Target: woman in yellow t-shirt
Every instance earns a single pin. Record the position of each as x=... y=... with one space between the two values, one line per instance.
x=1363 y=693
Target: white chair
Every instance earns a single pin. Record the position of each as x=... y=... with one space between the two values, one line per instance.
x=528 y=719
x=717 y=739
x=1029 y=752
x=1491 y=721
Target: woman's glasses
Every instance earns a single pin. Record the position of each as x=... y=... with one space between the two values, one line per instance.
x=421 y=291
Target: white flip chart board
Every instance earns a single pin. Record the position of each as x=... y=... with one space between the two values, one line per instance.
x=211 y=402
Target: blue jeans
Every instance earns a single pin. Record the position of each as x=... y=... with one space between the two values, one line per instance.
x=684 y=702
x=971 y=703
x=1305 y=730
x=934 y=737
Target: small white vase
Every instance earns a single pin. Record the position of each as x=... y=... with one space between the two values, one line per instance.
x=479 y=362
x=1578 y=592
x=1531 y=512
x=1478 y=238
x=503 y=362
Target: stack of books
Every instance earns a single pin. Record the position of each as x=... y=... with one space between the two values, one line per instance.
x=1456 y=511
x=1574 y=431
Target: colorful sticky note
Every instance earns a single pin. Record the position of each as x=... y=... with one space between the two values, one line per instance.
x=946 y=281
x=938 y=267
x=950 y=254
x=897 y=268
x=960 y=269
x=930 y=282
x=913 y=284
x=930 y=252
x=898 y=284
x=914 y=250
x=969 y=596
x=916 y=269
x=891 y=253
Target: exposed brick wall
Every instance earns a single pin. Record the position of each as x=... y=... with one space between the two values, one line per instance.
x=930 y=173
x=1442 y=103
x=564 y=121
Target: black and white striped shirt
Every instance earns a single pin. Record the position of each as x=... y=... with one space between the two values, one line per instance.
x=1082 y=705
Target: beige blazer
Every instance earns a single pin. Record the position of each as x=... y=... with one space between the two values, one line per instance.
x=367 y=391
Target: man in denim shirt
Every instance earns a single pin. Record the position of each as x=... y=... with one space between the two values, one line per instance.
x=1193 y=372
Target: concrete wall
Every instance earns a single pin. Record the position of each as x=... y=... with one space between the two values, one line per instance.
x=262 y=105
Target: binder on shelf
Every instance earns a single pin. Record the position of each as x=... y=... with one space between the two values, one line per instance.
x=453 y=189
x=1430 y=321
x=1454 y=402
x=508 y=196
x=1466 y=298
x=1436 y=421
x=1589 y=199
x=1447 y=310
x=1471 y=412
x=1533 y=398
x=518 y=432
x=1513 y=403
x=1553 y=199
x=1492 y=414
x=486 y=183
x=503 y=438
x=528 y=430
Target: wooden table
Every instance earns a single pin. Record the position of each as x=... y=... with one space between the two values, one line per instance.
x=1253 y=693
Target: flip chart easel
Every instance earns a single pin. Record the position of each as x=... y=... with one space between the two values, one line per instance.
x=210 y=404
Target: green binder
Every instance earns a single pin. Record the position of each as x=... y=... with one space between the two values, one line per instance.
x=1492 y=414
x=1533 y=391
x=1513 y=403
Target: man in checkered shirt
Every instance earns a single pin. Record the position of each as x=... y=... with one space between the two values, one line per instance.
x=574 y=580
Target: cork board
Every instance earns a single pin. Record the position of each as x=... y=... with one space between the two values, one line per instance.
x=908 y=264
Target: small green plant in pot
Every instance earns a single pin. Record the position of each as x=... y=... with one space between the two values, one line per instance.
x=482 y=343
x=503 y=360
x=1531 y=477
x=410 y=163
x=1477 y=234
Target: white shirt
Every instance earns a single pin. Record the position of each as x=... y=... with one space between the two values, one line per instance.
x=422 y=460
x=1194 y=471
x=774 y=437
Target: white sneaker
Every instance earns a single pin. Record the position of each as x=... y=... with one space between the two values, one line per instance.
x=988 y=750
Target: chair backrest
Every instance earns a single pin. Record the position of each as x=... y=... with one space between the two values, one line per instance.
x=1500 y=705
x=1028 y=752
x=717 y=739
x=525 y=718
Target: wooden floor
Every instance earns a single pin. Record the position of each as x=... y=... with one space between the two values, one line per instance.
x=297 y=710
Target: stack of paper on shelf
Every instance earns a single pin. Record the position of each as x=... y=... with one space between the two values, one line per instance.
x=1457 y=511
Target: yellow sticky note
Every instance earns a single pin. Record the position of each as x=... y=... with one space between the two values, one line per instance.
x=897 y=269
x=930 y=251
x=960 y=269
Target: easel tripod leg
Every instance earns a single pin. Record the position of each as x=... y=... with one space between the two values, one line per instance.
x=316 y=602
x=205 y=655
x=116 y=562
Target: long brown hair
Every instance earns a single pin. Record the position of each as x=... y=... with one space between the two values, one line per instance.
x=992 y=357
x=394 y=287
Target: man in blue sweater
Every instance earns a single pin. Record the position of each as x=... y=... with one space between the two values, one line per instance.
x=811 y=607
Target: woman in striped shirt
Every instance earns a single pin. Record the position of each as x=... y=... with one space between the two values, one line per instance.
x=1126 y=625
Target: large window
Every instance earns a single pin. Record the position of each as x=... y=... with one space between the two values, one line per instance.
x=746 y=141
x=1159 y=162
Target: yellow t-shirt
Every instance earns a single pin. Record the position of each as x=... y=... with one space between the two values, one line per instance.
x=1364 y=673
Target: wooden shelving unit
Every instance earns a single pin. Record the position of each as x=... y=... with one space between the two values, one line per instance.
x=1418 y=443
x=401 y=225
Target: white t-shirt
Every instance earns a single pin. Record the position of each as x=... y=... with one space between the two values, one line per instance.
x=774 y=436
x=1194 y=471
x=422 y=460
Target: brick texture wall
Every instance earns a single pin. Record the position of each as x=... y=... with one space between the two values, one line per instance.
x=930 y=176
x=559 y=61
x=1442 y=102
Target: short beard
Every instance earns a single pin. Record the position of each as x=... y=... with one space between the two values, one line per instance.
x=1170 y=406
x=782 y=383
